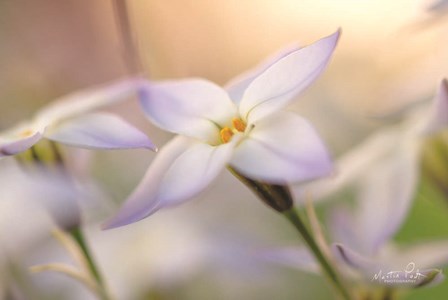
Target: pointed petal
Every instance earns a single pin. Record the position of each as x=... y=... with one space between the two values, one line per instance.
x=181 y=170
x=353 y=164
x=431 y=254
x=353 y=259
x=438 y=116
x=191 y=107
x=87 y=100
x=275 y=87
x=437 y=6
x=342 y=226
x=98 y=131
x=293 y=257
x=386 y=273
x=388 y=190
x=236 y=86
x=19 y=139
x=280 y=149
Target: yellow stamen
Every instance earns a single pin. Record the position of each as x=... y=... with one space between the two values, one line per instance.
x=26 y=133
x=238 y=124
x=226 y=134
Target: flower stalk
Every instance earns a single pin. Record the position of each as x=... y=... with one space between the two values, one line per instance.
x=293 y=216
x=78 y=236
x=44 y=156
x=279 y=198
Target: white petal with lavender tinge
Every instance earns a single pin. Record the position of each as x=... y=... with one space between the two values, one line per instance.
x=289 y=76
x=282 y=148
x=182 y=169
x=190 y=107
x=98 y=131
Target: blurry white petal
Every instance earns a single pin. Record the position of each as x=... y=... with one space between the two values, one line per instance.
x=386 y=193
x=98 y=131
x=275 y=87
x=282 y=148
x=18 y=140
x=191 y=107
x=438 y=6
x=181 y=170
x=236 y=86
x=353 y=164
x=354 y=260
x=293 y=257
x=87 y=100
x=430 y=254
x=342 y=227
x=438 y=116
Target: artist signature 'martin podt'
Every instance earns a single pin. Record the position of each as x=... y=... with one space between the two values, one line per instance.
x=409 y=275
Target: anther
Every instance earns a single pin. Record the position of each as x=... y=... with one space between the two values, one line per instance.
x=238 y=124
x=26 y=133
x=226 y=134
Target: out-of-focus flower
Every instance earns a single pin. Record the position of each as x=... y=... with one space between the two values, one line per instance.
x=26 y=197
x=363 y=247
x=69 y=121
x=403 y=142
x=241 y=126
x=386 y=171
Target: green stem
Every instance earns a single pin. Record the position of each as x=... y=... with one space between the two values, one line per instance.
x=78 y=236
x=279 y=198
x=388 y=294
x=328 y=269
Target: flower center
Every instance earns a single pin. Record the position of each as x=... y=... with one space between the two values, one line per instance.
x=26 y=133
x=226 y=133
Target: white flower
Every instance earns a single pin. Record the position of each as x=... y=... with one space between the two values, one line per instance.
x=70 y=122
x=242 y=126
x=385 y=171
x=401 y=142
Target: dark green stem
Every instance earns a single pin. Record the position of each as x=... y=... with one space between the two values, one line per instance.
x=279 y=198
x=78 y=236
x=327 y=268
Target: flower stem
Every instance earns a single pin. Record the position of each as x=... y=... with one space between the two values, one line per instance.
x=78 y=236
x=328 y=269
x=279 y=198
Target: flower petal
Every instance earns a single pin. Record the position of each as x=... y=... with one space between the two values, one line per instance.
x=438 y=116
x=437 y=6
x=181 y=170
x=191 y=107
x=236 y=86
x=98 y=131
x=87 y=100
x=431 y=254
x=343 y=228
x=280 y=149
x=354 y=260
x=275 y=87
x=19 y=139
x=387 y=189
x=353 y=164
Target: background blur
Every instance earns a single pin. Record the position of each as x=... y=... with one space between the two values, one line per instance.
x=391 y=54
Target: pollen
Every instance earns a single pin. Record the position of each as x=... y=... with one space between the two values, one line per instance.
x=239 y=124
x=226 y=134
x=26 y=133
